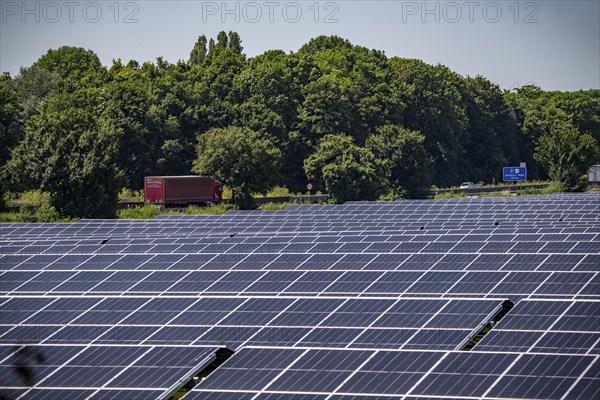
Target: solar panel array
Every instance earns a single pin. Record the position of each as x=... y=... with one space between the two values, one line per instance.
x=347 y=302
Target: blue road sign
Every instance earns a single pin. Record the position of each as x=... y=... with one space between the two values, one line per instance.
x=515 y=174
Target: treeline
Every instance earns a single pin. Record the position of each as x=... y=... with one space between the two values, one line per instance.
x=354 y=122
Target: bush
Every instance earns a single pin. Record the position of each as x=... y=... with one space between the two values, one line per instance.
x=449 y=195
x=145 y=212
x=280 y=191
x=34 y=198
x=46 y=213
x=554 y=187
x=129 y=195
x=10 y=218
x=275 y=206
x=212 y=210
x=503 y=193
x=28 y=213
x=392 y=195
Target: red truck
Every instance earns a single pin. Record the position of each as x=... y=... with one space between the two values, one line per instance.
x=182 y=190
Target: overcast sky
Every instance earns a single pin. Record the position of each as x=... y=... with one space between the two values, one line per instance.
x=554 y=44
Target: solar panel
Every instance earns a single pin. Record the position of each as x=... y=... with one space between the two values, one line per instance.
x=338 y=288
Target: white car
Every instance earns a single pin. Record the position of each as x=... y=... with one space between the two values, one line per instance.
x=467 y=185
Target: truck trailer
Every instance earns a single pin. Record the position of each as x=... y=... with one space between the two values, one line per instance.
x=177 y=191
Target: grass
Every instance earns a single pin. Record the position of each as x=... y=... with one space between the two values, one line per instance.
x=449 y=195
x=504 y=193
x=144 y=212
x=46 y=213
x=553 y=187
x=277 y=191
x=149 y=212
x=275 y=206
x=497 y=184
x=43 y=213
x=213 y=210
x=31 y=198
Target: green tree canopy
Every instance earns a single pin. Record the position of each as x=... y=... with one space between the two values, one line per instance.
x=72 y=155
x=432 y=95
x=235 y=42
x=405 y=161
x=241 y=158
x=198 y=54
x=32 y=86
x=10 y=127
x=374 y=105
x=345 y=170
x=566 y=153
x=75 y=66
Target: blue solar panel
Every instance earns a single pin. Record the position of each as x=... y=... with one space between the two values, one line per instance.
x=464 y=374
x=300 y=278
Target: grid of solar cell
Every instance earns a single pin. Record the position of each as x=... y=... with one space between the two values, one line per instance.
x=340 y=288
x=102 y=368
x=452 y=374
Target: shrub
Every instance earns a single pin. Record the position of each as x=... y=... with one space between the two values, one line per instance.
x=34 y=198
x=449 y=195
x=145 y=212
x=46 y=213
x=129 y=195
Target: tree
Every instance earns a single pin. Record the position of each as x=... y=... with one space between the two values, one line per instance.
x=10 y=126
x=402 y=154
x=345 y=170
x=198 y=53
x=241 y=158
x=222 y=40
x=176 y=158
x=533 y=110
x=566 y=153
x=327 y=108
x=235 y=42
x=432 y=95
x=32 y=86
x=75 y=66
x=72 y=155
x=491 y=138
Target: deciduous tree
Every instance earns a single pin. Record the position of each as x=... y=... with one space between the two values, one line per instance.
x=241 y=158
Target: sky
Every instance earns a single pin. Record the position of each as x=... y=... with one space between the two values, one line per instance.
x=552 y=44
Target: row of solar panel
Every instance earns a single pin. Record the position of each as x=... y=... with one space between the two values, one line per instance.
x=428 y=235
x=380 y=234
x=572 y=247
x=363 y=323
x=248 y=311
x=234 y=337
x=288 y=261
x=352 y=372
x=310 y=370
x=289 y=283
x=161 y=368
x=474 y=215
